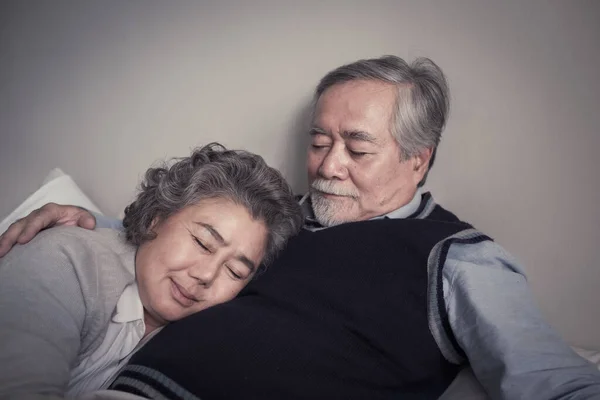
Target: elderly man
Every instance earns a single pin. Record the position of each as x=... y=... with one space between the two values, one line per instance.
x=383 y=295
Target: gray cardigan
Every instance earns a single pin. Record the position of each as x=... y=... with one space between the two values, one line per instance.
x=57 y=296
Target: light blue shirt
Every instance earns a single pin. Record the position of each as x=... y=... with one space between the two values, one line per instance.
x=513 y=352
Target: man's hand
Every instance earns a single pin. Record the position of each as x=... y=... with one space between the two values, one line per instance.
x=23 y=230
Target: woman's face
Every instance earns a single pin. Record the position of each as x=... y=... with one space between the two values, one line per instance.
x=201 y=256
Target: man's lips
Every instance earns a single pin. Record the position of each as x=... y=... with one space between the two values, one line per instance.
x=332 y=196
x=181 y=295
x=327 y=194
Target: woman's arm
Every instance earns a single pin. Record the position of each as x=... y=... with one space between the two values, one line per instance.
x=42 y=314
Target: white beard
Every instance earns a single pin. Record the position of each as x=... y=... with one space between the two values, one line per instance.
x=327 y=211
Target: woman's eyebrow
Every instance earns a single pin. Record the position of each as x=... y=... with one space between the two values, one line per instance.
x=247 y=262
x=214 y=233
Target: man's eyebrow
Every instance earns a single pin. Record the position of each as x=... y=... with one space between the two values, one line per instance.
x=360 y=136
x=213 y=232
x=317 y=131
x=349 y=135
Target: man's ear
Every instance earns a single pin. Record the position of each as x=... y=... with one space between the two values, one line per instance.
x=421 y=163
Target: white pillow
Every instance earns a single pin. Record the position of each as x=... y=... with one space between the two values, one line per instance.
x=592 y=356
x=57 y=187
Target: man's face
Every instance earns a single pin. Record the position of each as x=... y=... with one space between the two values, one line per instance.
x=354 y=164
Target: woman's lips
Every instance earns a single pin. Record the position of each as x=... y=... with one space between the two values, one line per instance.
x=181 y=295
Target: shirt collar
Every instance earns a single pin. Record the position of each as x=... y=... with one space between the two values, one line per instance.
x=403 y=212
x=406 y=210
x=129 y=307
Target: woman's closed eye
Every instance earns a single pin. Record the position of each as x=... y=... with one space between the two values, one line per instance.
x=201 y=244
x=234 y=273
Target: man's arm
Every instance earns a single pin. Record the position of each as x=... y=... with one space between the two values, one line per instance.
x=514 y=353
x=51 y=214
x=42 y=312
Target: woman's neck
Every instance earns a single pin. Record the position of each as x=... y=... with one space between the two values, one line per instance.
x=151 y=323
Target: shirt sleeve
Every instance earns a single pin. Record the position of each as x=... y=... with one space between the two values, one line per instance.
x=103 y=221
x=514 y=353
x=42 y=313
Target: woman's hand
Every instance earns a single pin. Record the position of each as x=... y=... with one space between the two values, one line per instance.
x=51 y=214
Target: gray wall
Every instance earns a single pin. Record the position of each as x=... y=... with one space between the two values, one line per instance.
x=102 y=89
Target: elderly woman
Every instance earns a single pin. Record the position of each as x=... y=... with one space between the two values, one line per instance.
x=75 y=304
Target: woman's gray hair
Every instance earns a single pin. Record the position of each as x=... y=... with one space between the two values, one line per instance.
x=212 y=172
x=422 y=102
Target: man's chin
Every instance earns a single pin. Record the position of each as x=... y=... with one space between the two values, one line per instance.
x=332 y=210
x=328 y=220
x=330 y=223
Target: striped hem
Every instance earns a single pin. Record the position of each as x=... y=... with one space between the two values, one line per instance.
x=439 y=323
x=149 y=383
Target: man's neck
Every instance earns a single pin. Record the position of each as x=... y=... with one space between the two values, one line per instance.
x=407 y=209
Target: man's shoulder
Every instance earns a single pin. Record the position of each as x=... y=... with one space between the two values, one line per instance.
x=430 y=209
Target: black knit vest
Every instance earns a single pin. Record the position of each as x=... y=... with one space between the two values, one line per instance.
x=342 y=313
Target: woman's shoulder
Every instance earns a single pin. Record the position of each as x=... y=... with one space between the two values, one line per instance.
x=92 y=255
x=75 y=240
x=76 y=236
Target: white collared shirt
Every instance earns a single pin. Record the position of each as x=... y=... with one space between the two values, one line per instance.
x=124 y=334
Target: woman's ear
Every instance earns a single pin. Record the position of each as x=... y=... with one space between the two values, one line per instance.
x=154 y=223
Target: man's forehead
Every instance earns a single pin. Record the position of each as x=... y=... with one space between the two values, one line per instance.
x=357 y=106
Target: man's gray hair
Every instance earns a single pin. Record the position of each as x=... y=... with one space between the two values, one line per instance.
x=213 y=172
x=422 y=102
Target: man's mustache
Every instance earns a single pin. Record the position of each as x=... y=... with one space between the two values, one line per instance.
x=329 y=187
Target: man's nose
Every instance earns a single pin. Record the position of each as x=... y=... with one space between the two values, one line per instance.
x=334 y=165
